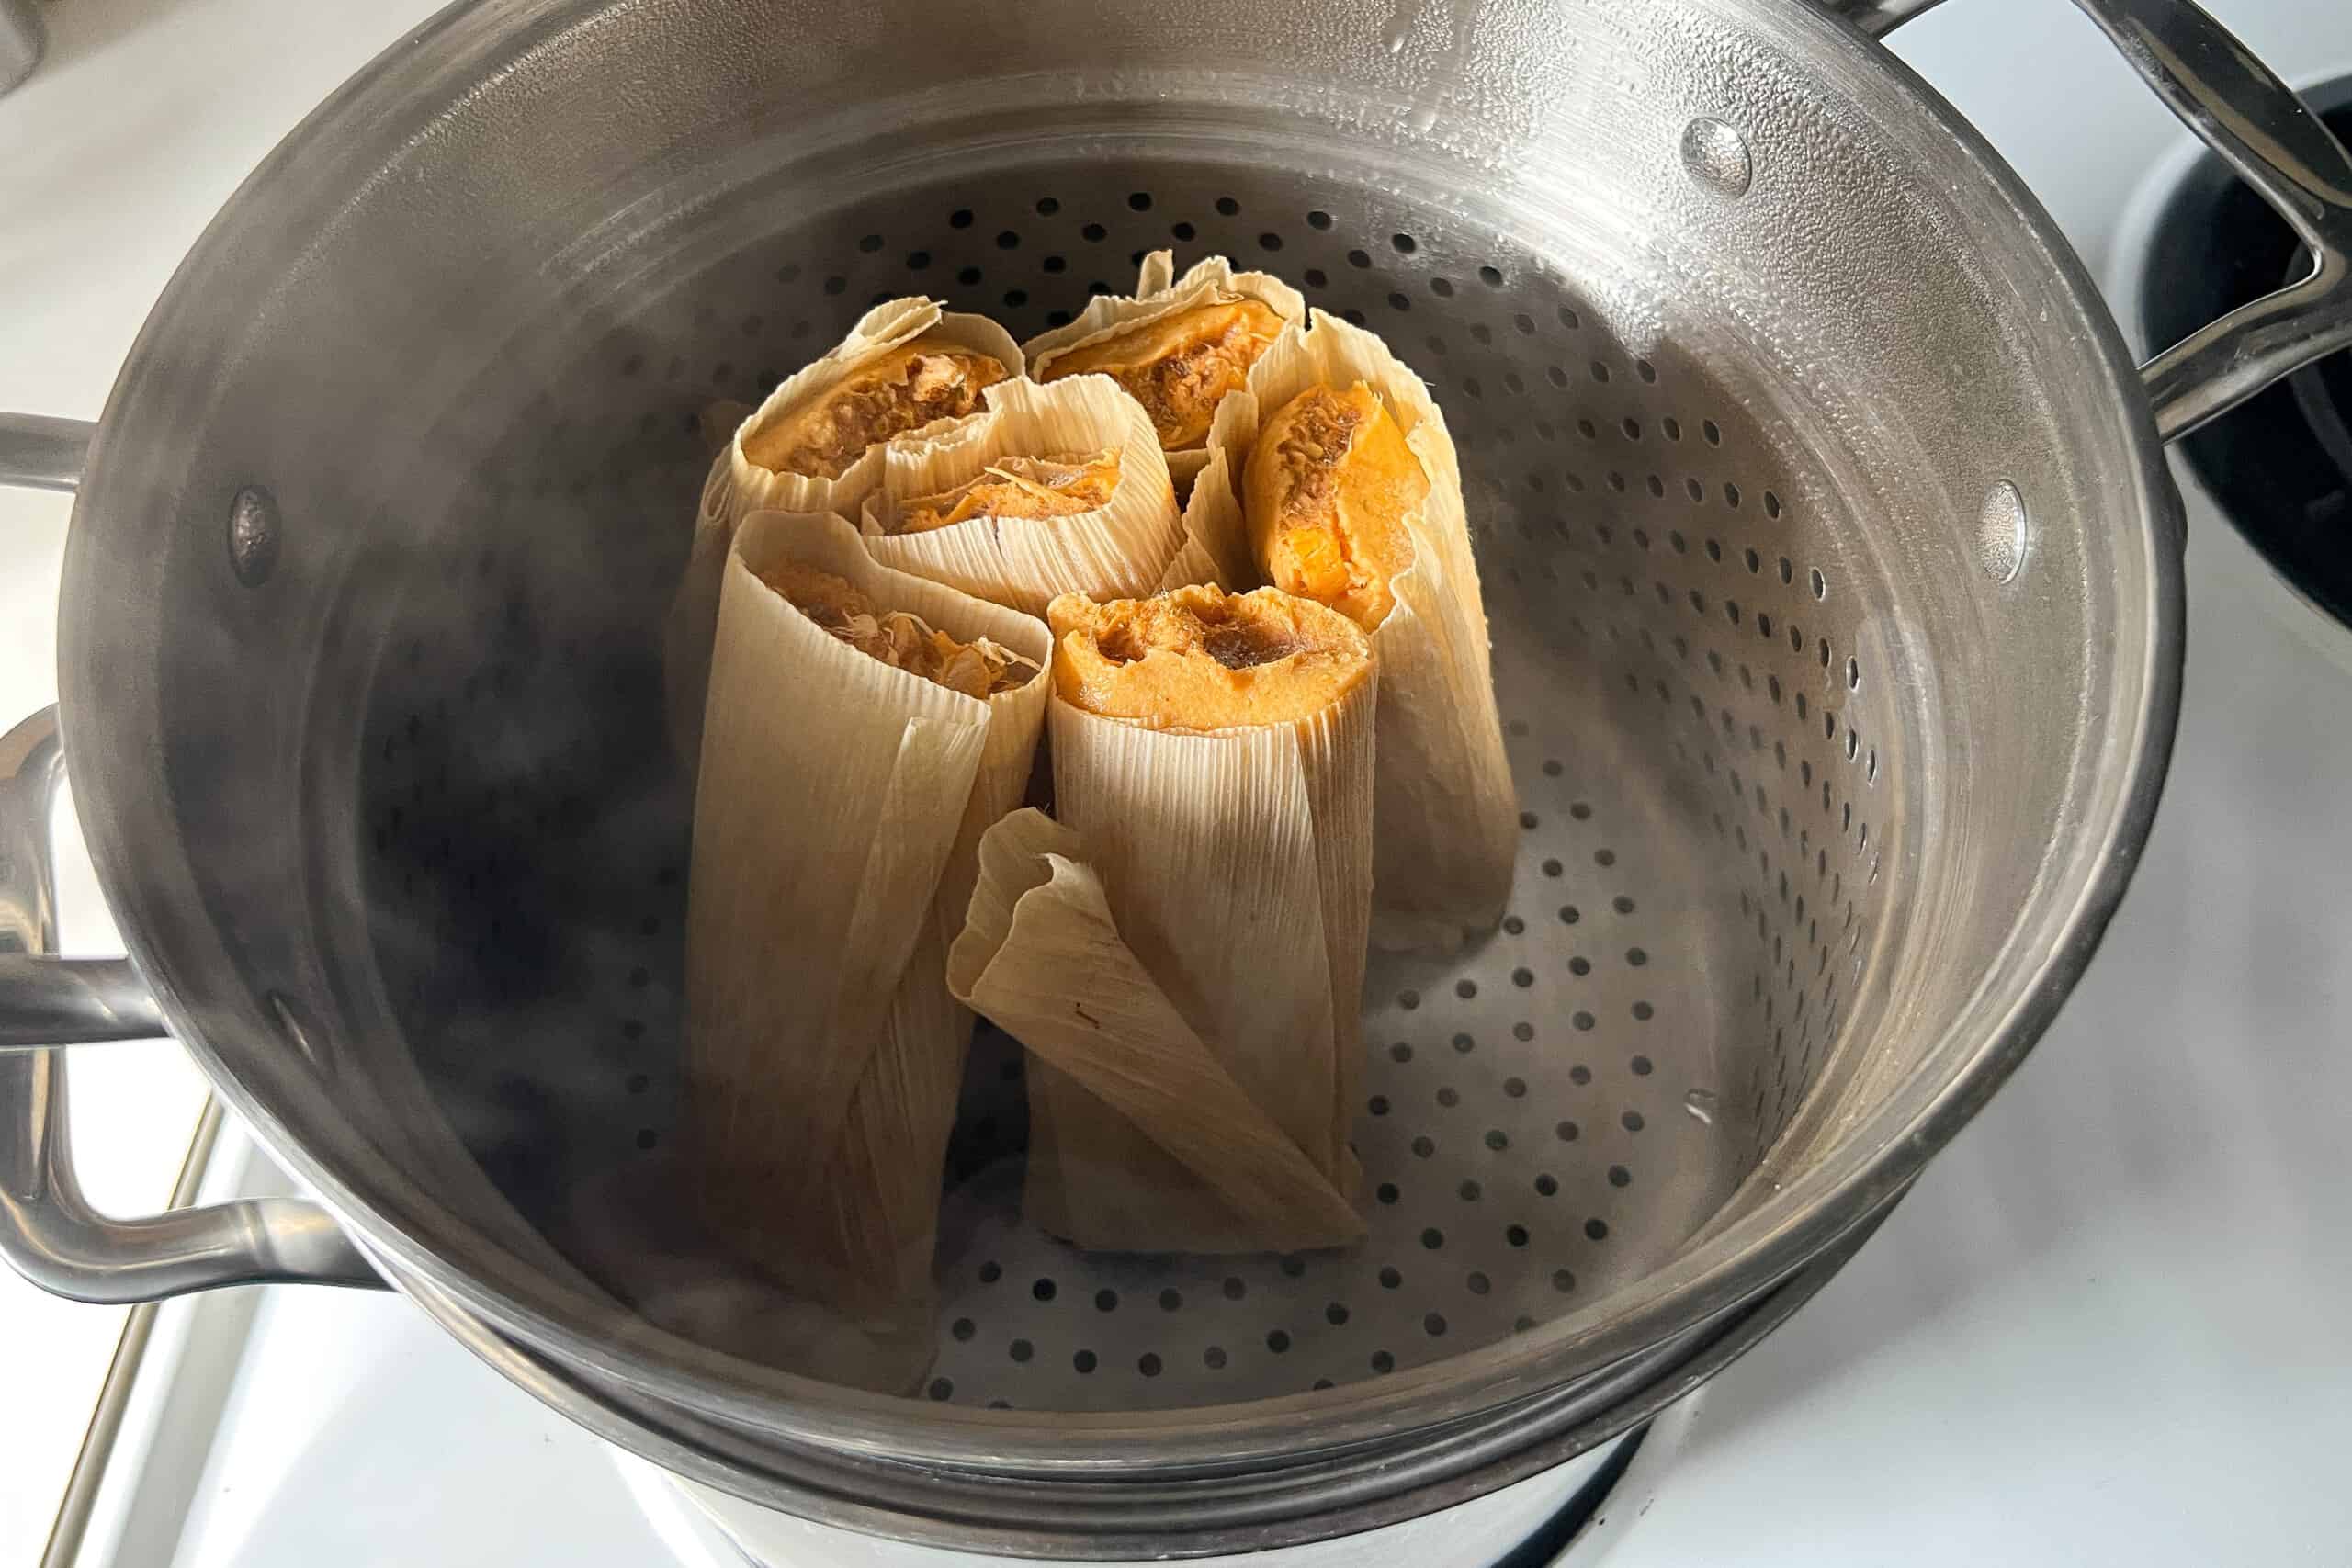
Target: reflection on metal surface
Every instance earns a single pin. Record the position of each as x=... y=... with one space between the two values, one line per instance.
x=48 y=1232
x=2001 y=532
x=122 y=1374
x=38 y=452
x=31 y=762
x=2265 y=133
x=48 y=1001
x=2280 y=464
x=1717 y=156
x=254 y=527
x=1876 y=18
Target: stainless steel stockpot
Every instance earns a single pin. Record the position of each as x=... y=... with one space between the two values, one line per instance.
x=1835 y=578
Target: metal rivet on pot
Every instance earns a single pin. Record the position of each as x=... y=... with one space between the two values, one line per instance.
x=2001 y=532
x=254 y=528
x=1717 y=156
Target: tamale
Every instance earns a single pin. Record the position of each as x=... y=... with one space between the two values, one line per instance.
x=1052 y=490
x=814 y=446
x=915 y=384
x=1332 y=475
x=1176 y=345
x=1189 y=981
x=864 y=726
x=906 y=366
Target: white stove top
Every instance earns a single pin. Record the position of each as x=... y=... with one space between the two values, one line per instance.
x=2106 y=1328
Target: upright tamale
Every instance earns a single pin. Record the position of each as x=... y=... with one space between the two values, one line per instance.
x=1183 y=952
x=1333 y=475
x=1177 y=346
x=865 y=728
x=1050 y=490
x=814 y=446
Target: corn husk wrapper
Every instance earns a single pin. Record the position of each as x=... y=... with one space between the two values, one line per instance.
x=1115 y=551
x=1160 y=292
x=1122 y=1059
x=1446 y=813
x=837 y=820
x=1233 y=867
x=737 y=486
x=750 y=488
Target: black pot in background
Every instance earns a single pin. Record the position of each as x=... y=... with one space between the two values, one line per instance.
x=2280 y=466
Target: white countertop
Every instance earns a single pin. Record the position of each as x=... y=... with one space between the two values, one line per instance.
x=2107 y=1326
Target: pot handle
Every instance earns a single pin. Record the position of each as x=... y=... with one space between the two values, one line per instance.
x=48 y=1230
x=2239 y=107
x=41 y=453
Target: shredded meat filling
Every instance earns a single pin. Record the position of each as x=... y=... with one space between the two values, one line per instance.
x=1027 y=488
x=1181 y=392
x=1327 y=493
x=1181 y=366
x=1312 y=446
x=902 y=640
x=904 y=390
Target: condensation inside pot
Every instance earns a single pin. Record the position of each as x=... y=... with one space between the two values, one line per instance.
x=1703 y=757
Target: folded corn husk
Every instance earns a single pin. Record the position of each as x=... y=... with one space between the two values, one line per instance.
x=737 y=486
x=1159 y=293
x=1445 y=821
x=1117 y=550
x=837 y=820
x=1219 y=924
x=1139 y=1137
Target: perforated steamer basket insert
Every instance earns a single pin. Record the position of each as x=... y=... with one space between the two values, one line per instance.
x=1708 y=763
